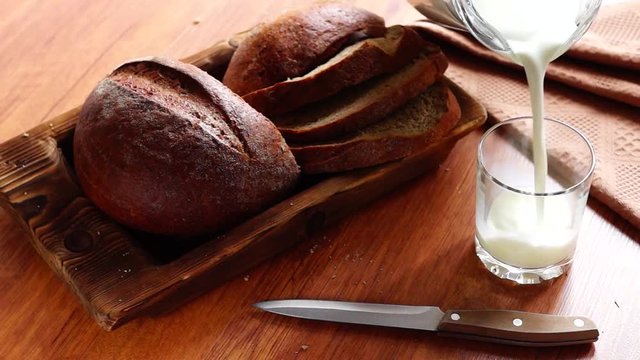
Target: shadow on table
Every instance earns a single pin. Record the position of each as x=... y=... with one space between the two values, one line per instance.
x=616 y=220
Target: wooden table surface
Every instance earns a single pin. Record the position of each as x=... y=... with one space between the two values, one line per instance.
x=413 y=247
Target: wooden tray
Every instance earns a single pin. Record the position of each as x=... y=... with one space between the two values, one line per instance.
x=120 y=274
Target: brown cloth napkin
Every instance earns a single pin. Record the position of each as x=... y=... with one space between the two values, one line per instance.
x=595 y=87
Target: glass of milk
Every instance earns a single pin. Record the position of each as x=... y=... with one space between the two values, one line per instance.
x=522 y=234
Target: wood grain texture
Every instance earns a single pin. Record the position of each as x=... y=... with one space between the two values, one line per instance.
x=413 y=247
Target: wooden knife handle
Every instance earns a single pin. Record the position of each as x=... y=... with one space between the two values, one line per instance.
x=518 y=328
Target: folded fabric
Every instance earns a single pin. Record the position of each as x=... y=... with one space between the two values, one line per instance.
x=601 y=101
x=615 y=75
x=614 y=37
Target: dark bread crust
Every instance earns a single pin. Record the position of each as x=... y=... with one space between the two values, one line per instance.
x=363 y=60
x=367 y=150
x=295 y=43
x=163 y=147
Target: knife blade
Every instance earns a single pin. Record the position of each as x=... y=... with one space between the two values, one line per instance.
x=498 y=326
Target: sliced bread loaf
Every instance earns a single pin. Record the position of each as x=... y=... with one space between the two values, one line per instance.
x=296 y=42
x=422 y=121
x=364 y=104
x=353 y=65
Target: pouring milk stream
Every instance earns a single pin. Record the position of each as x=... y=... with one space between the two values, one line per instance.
x=522 y=230
x=537 y=31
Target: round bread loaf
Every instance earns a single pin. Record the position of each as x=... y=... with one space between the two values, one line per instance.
x=163 y=147
x=297 y=42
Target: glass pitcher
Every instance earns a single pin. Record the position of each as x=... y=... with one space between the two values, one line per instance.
x=464 y=15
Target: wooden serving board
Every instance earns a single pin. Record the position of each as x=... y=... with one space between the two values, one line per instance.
x=119 y=273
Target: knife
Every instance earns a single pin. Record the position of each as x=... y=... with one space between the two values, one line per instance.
x=499 y=326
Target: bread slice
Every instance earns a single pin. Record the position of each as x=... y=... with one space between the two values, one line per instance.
x=296 y=42
x=422 y=121
x=364 y=104
x=353 y=65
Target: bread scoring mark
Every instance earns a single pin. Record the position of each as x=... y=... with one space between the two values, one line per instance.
x=182 y=96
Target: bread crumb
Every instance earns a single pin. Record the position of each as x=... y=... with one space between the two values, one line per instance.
x=313 y=249
x=246 y=277
x=304 y=347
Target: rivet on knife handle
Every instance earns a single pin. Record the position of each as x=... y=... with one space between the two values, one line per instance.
x=518 y=328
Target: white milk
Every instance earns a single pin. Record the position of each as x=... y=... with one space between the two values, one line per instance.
x=515 y=235
x=537 y=31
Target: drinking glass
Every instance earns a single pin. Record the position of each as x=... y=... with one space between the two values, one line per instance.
x=522 y=235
